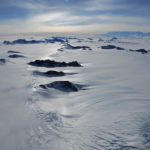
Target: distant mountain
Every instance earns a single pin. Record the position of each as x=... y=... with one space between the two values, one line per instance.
x=124 y=34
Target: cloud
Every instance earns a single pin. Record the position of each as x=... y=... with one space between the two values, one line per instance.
x=42 y=18
x=74 y=15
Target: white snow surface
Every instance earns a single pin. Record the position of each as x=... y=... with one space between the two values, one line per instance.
x=113 y=113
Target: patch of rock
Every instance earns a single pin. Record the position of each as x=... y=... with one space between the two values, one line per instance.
x=50 y=73
x=65 y=86
x=52 y=63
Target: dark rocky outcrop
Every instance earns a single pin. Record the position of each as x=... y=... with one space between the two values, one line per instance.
x=100 y=40
x=142 y=51
x=113 y=39
x=112 y=47
x=16 y=56
x=68 y=46
x=79 y=41
x=2 y=61
x=22 y=41
x=50 y=73
x=13 y=51
x=52 y=63
x=56 y=39
x=64 y=86
x=54 y=73
x=120 y=48
x=90 y=39
x=126 y=34
x=108 y=47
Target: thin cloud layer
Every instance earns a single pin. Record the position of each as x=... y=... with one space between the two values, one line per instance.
x=74 y=15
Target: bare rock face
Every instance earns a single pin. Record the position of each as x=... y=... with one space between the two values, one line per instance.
x=64 y=86
x=112 y=39
x=112 y=47
x=142 y=51
x=24 y=41
x=100 y=40
x=68 y=46
x=109 y=47
x=2 y=61
x=14 y=52
x=56 y=39
x=54 y=73
x=52 y=63
x=50 y=73
x=16 y=56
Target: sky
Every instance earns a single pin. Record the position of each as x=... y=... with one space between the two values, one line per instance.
x=74 y=15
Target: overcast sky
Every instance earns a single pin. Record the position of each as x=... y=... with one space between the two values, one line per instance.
x=74 y=15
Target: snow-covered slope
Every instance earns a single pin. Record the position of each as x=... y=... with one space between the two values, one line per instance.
x=110 y=109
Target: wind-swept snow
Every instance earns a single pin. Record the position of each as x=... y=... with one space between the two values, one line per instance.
x=111 y=111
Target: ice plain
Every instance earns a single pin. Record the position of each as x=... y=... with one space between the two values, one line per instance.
x=111 y=113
